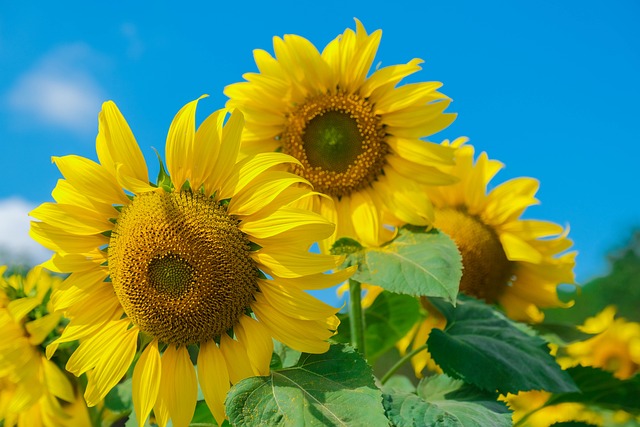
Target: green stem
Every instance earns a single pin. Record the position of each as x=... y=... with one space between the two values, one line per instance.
x=356 y=315
x=401 y=362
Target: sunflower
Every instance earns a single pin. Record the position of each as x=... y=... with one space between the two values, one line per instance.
x=529 y=410
x=615 y=346
x=357 y=137
x=212 y=262
x=33 y=390
x=509 y=261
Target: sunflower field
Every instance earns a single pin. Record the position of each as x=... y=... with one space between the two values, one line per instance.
x=187 y=298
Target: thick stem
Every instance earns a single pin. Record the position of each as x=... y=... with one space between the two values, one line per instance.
x=401 y=362
x=356 y=316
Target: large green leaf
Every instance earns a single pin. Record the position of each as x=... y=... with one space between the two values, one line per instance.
x=388 y=319
x=444 y=402
x=484 y=348
x=332 y=389
x=601 y=388
x=415 y=263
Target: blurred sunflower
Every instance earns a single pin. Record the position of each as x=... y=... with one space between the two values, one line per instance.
x=33 y=390
x=529 y=410
x=212 y=259
x=615 y=346
x=513 y=262
x=357 y=137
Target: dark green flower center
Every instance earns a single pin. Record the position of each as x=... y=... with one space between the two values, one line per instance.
x=339 y=140
x=332 y=141
x=170 y=274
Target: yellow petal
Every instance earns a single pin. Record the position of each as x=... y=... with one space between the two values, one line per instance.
x=57 y=382
x=317 y=281
x=230 y=146
x=262 y=191
x=408 y=95
x=258 y=342
x=146 y=381
x=303 y=335
x=250 y=168
x=61 y=241
x=180 y=140
x=388 y=77
x=235 y=355
x=287 y=220
x=206 y=149
x=214 y=378
x=86 y=324
x=90 y=350
x=517 y=249
x=40 y=328
x=72 y=219
x=117 y=356
x=131 y=183
x=77 y=286
x=179 y=386
x=74 y=262
x=91 y=179
x=287 y=264
x=115 y=144
x=21 y=307
x=295 y=302
x=65 y=194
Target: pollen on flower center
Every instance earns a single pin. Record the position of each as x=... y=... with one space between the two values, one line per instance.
x=339 y=141
x=486 y=270
x=180 y=266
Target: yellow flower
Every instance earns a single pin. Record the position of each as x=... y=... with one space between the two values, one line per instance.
x=516 y=263
x=33 y=390
x=214 y=259
x=614 y=348
x=529 y=410
x=357 y=136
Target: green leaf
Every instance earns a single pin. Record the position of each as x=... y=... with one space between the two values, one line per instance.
x=202 y=416
x=436 y=404
x=388 y=319
x=484 y=348
x=414 y=263
x=164 y=180
x=443 y=387
x=287 y=356
x=601 y=388
x=331 y=389
x=120 y=398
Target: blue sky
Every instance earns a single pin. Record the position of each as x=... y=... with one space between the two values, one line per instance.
x=549 y=88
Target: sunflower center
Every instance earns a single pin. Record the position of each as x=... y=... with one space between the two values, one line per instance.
x=180 y=266
x=339 y=141
x=486 y=270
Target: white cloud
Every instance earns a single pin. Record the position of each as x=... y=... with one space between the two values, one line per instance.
x=16 y=246
x=60 y=90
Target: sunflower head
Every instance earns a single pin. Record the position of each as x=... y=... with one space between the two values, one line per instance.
x=358 y=136
x=213 y=256
x=514 y=262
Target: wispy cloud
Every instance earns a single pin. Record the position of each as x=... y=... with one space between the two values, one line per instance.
x=135 y=46
x=60 y=90
x=16 y=246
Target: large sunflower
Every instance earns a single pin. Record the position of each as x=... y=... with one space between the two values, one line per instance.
x=33 y=390
x=212 y=260
x=357 y=136
x=509 y=261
